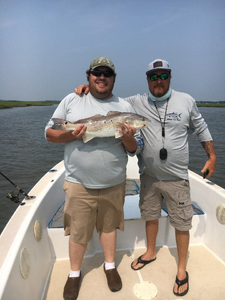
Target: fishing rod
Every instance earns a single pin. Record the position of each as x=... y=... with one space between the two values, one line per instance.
x=14 y=198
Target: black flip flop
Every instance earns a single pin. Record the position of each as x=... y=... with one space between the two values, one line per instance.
x=180 y=283
x=141 y=261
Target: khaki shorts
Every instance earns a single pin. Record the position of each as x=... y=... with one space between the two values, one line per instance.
x=176 y=195
x=86 y=209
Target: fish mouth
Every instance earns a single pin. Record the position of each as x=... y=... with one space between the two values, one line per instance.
x=146 y=124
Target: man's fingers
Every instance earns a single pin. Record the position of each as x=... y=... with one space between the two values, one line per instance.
x=79 y=131
x=78 y=91
x=128 y=130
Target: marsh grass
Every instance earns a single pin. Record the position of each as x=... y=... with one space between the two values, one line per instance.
x=12 y=103
x=210 y=104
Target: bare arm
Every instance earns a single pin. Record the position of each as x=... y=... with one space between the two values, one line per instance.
x=211 y=162
x=61 y=136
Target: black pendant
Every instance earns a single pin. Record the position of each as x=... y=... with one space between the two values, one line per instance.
x=163 y=154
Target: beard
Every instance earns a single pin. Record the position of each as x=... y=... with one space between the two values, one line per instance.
x=159 y=90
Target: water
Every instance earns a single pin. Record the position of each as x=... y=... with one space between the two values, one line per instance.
x=214 y=117
x=26 y=156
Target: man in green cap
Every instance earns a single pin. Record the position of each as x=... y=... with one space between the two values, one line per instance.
x=95 y=173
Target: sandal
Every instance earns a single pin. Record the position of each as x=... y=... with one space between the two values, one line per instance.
x=141 y=261
x=180 y=283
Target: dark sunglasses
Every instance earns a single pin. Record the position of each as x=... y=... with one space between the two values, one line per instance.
x=154 y=77
x=98 y=73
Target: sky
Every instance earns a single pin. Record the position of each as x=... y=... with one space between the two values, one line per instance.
x=46 y=46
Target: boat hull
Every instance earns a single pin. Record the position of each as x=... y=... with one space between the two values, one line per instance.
x=29 y=248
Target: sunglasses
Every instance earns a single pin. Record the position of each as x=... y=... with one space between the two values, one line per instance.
x=154 y=77
x=106 y=74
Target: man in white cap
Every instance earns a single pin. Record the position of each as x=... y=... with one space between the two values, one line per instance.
x=164 y=163
x=94 y=196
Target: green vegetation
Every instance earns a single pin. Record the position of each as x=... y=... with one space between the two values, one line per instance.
x=11 y=104
x=14 y=103
x=210 y=104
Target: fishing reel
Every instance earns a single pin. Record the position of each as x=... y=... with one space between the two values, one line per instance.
x=14 y=198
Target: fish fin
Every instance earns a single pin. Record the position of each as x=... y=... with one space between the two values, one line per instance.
x=97 y=116
x=118 y=133
x=82 y=121
x=110 y=113
x=87 y=138
x=118 y=126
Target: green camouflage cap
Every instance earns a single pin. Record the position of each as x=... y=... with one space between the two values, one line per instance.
x=102 y=61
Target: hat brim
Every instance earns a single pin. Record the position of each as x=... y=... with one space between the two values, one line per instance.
x=151 y=71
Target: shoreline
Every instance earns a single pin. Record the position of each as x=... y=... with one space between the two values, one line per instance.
x=14 y=103
x=210 y=104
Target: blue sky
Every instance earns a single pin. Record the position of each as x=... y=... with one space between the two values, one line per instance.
x=46 y=46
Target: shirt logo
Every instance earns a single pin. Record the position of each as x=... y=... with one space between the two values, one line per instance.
x=174 y=116
x=157 y=64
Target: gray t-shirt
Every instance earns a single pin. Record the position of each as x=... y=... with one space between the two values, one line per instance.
x=182 y=117
x=101 y=162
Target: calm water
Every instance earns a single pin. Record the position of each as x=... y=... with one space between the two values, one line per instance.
x=26 y=156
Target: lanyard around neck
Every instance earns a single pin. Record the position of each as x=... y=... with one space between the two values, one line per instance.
x=163 y=124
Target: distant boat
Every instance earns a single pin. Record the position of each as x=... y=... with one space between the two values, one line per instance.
x=34 y=252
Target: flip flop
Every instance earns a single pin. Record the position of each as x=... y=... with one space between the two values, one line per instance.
x=180 y=283
x=141 y=261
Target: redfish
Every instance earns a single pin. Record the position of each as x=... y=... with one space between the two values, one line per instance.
x=104 y=126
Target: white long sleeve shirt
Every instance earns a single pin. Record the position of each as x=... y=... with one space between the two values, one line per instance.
x=182 y=118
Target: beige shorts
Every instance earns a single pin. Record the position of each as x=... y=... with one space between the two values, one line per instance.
x=86 y=209
x=177 y=197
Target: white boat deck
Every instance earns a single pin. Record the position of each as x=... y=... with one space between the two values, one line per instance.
x=206 y=276
x=206 y=272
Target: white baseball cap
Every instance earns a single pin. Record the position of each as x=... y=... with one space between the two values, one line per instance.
x=158 y=64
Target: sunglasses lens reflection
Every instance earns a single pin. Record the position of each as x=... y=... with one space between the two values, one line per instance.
x=163 y=76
